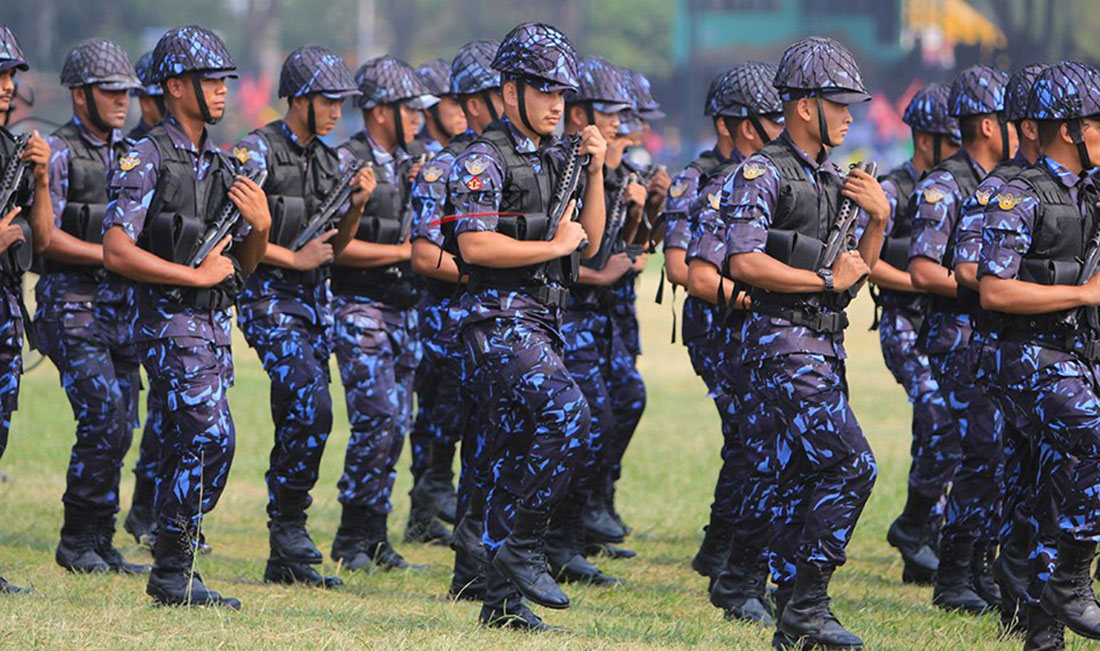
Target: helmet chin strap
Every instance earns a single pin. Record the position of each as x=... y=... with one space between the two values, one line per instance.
x=521 y=90
x=200 y=97
x=754 y=119
x=823 y=124
x=1003 y=123
x=487 y=97
x=162 y=106
x=590 y=113
x=1074 y=128
x=398 y=125
x=93 y=111
x=937 y=148
x=311 y=117
x=433 y=111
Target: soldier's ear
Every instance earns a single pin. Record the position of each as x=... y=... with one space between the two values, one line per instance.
x=509 y=91
x=806 y=109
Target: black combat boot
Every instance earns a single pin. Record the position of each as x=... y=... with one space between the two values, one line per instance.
x=1012 y=574
x=467 y=579
x=142 y=515
x=1044 y=633
x=362 y=542
x=105 y=536
x=288 y=573
x=715 y=548
x=609 y=504
x=1068 y=594
x=807 y=620
x=912 y=536
x=76 y=552
x=600 y=526
x=564 y=547
x=954 y=589
x=435 y=488
x=467 y=538
x=740 y=588
x=504 y=608
x=11 y=588
x=173 y=581
x=423 y=525
x=290 y=542
x=522 y=560
x=608 y=550
x=981 y=568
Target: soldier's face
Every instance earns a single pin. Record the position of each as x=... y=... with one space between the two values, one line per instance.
x=544 y=110
x=7 y=89
x=326 y=113
x=215 y=92
x=411 y=121
x=607 y=123
x=837 y=118
x=451 y=115
x=1090 y=131
x=112 y=106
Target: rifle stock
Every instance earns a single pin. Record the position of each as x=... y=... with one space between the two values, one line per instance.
x=224 y=224
x=323 y=219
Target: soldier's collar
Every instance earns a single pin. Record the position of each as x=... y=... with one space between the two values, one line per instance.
x=116 y=135
x=524 y=145
x=179 y=136
x=1059 y=172
x=911 y=170
x=822 y=165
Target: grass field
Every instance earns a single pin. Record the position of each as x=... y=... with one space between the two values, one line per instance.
x=668 y=479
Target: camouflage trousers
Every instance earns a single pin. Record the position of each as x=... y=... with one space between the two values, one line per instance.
x=626 y=390
x=378 y=351
x=826 y=467
x=534 y=416
x=443 y=408
x=193 y=377
x=99 y=370
x=295 y=354
x=11 y=369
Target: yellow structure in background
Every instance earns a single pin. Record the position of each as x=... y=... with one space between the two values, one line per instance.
x=955 y=20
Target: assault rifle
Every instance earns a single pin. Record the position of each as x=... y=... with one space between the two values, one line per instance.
x=224 y=224
x=19 y=256
x=842 y=235
x=325 y=217
x=568 y=183
x=407 y=211
x=616 y=219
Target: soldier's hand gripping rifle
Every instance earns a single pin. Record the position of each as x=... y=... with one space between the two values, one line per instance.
x=19 y=256
x=842 y=235
x=568 y=184
x=616 y=219
x=225 y=223
x=325 y=217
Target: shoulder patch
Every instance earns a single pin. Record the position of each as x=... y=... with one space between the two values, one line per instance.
x=432 y=173
x=982 y=196
x=474 y=183
x=128 y=162
x=242 y=154
x=678 y=190
x=1008 y=201
x=715 y=200
x=476 y=165
x=752 y=170
x=933 y=195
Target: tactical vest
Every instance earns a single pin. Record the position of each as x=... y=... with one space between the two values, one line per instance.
x=959 y=167
x=799 y=228
x=528 y=195
x=442 y=289
x=969 y=299
x=1059 y=244
x=180 y=211
x=18 y=256
x=895 y=249
x=382 y=222
x=86 y=201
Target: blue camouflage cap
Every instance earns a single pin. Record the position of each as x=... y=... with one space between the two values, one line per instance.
x=100 y=62
x=11 y=55
x=820 y=67
x=1065 y=91
x=746 y=89
x=1018 y=91
x=144 y=71
x=927 y=112
x=191 y=49
x=472 y=68
x=604 y=84
x=385 y=80
x=315 y=69
x=541 y=54
x=978 y=90
x=645 y=104
x=436 y=76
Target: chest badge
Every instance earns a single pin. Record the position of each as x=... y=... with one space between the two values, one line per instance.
x=678 y=190
x=752 y=171
x=477 y=165
x=128 y=162
x=432 y=173
x=474 y=183
x=242 y=154
x=982 y=197
x=1007 y=201
x=715 y=200
x=933 y=195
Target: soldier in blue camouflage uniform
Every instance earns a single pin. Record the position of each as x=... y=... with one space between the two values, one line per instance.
x=283 y=309
x=183 y=323
x=84 y=313
x=374 y=307
x=29 y=226
x=603 y=97
x=968 y=541
x=1010 y=569
x=141 y=518
x=935 y=137
x=1037 y=231
x=792 y=340
x=439 y=414
x=747 y=115
x=535 y=416
x=445 y=408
